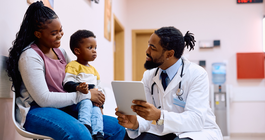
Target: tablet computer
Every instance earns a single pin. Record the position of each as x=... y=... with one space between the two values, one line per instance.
x=127 y=91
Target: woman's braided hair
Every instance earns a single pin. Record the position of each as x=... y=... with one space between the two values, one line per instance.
x=35 y=18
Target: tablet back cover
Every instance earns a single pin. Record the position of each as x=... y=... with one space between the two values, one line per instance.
x=127 y=91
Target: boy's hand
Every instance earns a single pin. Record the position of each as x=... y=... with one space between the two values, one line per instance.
x=82 y=87
x=97 y=96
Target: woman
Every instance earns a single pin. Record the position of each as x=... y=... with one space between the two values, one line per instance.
x=36 y=66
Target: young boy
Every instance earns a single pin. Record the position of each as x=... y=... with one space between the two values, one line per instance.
x=82 y=77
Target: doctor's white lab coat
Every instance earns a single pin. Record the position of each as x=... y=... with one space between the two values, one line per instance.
x=195 y=120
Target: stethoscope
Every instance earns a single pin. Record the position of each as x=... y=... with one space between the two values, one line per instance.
x=179 y=92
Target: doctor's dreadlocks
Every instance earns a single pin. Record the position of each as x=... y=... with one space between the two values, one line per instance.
x=172 y=39
x=35 y=18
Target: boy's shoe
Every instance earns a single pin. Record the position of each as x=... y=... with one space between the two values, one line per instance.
x=89 y=128
x=98 y=136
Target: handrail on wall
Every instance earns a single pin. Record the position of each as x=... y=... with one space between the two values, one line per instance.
x=5 y=83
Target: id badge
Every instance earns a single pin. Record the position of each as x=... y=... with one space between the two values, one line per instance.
x=177 y=101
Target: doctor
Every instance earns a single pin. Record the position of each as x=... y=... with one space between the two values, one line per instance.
x=177 y=94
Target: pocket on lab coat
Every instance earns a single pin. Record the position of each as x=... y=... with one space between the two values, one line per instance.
x=178 y=102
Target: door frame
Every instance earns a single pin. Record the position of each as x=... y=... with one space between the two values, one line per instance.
x=134 y=34
x=118 y=28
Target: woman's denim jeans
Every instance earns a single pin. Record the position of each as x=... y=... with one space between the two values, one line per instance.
x=60 y=125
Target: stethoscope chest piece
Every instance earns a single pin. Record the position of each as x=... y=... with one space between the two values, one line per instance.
x=179 y=93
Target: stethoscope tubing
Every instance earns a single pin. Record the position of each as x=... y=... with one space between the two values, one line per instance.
x=179 y=89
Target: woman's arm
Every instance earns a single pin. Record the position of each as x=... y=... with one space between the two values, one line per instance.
x=31 y=67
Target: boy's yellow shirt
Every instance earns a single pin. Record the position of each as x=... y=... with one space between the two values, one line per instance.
x=76 y=68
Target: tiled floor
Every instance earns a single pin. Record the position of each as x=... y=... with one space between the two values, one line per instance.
x=243 y=138
x=246 y=138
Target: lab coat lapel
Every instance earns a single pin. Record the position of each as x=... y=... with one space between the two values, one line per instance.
x=157 y=81
x=175 y=82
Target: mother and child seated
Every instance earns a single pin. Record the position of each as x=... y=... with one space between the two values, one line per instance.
x=38 y=67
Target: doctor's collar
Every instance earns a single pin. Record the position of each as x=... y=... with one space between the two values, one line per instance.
x=172 y=70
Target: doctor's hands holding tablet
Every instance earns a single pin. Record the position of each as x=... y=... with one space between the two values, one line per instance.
x=142 y=108
x=146 y=110
x=131 y=101
x=127 y=121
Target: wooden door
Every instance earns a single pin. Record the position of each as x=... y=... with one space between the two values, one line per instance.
x=140 y=44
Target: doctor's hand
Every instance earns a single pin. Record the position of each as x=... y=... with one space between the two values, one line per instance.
x=127 y=121
x=146 y=110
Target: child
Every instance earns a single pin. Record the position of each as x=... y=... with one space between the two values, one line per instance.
x=82 y=77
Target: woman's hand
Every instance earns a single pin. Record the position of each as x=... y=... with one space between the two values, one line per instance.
x=82 y=87
x=127 y=121
x=97 y=96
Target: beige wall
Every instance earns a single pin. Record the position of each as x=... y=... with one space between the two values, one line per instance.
x=10 y=20
x=7 y=129
x=239 y=27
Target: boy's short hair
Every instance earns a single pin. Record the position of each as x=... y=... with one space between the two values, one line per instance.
x=76 y=38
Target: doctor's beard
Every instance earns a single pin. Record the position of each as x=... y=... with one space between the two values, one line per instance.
x=152 y=64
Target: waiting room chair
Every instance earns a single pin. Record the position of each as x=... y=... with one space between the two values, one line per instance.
x=21 y=131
